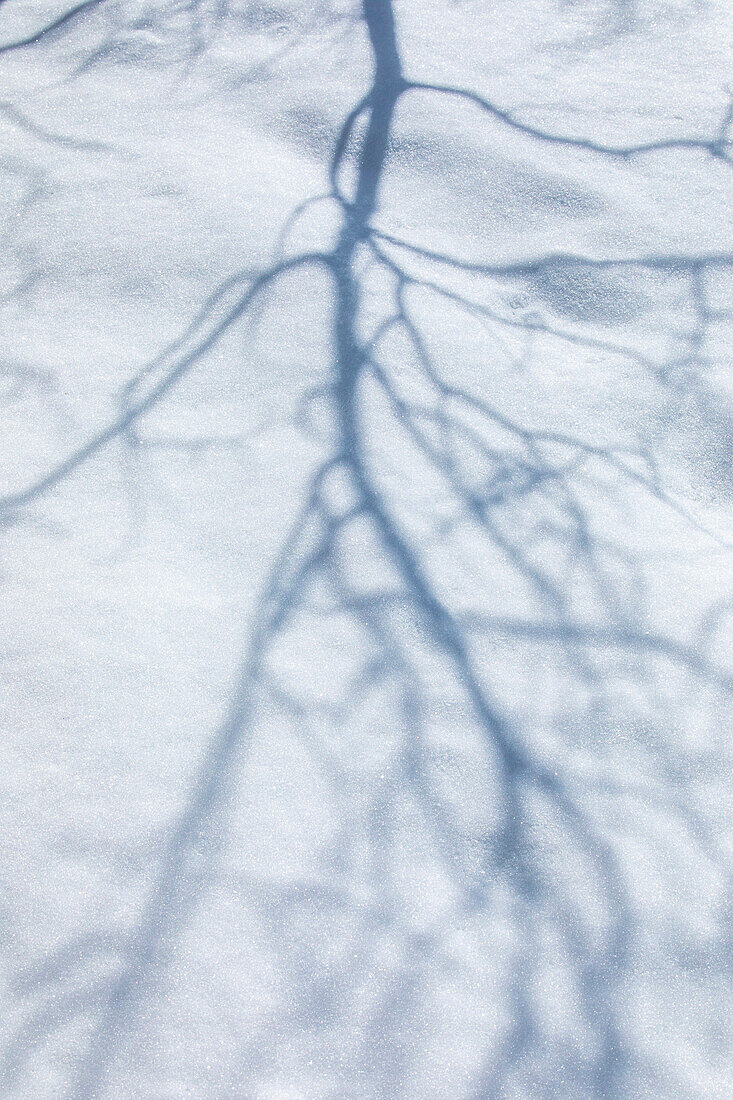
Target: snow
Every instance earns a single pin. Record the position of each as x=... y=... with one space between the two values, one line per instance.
x=367 y=565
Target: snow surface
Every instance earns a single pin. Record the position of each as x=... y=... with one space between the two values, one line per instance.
x=366 y=576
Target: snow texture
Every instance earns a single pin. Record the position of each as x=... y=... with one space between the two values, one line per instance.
x=366 y=517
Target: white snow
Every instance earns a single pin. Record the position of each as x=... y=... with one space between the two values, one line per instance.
x=387 y=766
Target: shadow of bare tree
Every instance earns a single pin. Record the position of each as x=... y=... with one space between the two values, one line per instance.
x=512 y=746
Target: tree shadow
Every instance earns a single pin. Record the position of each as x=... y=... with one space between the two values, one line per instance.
x=527 y=843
